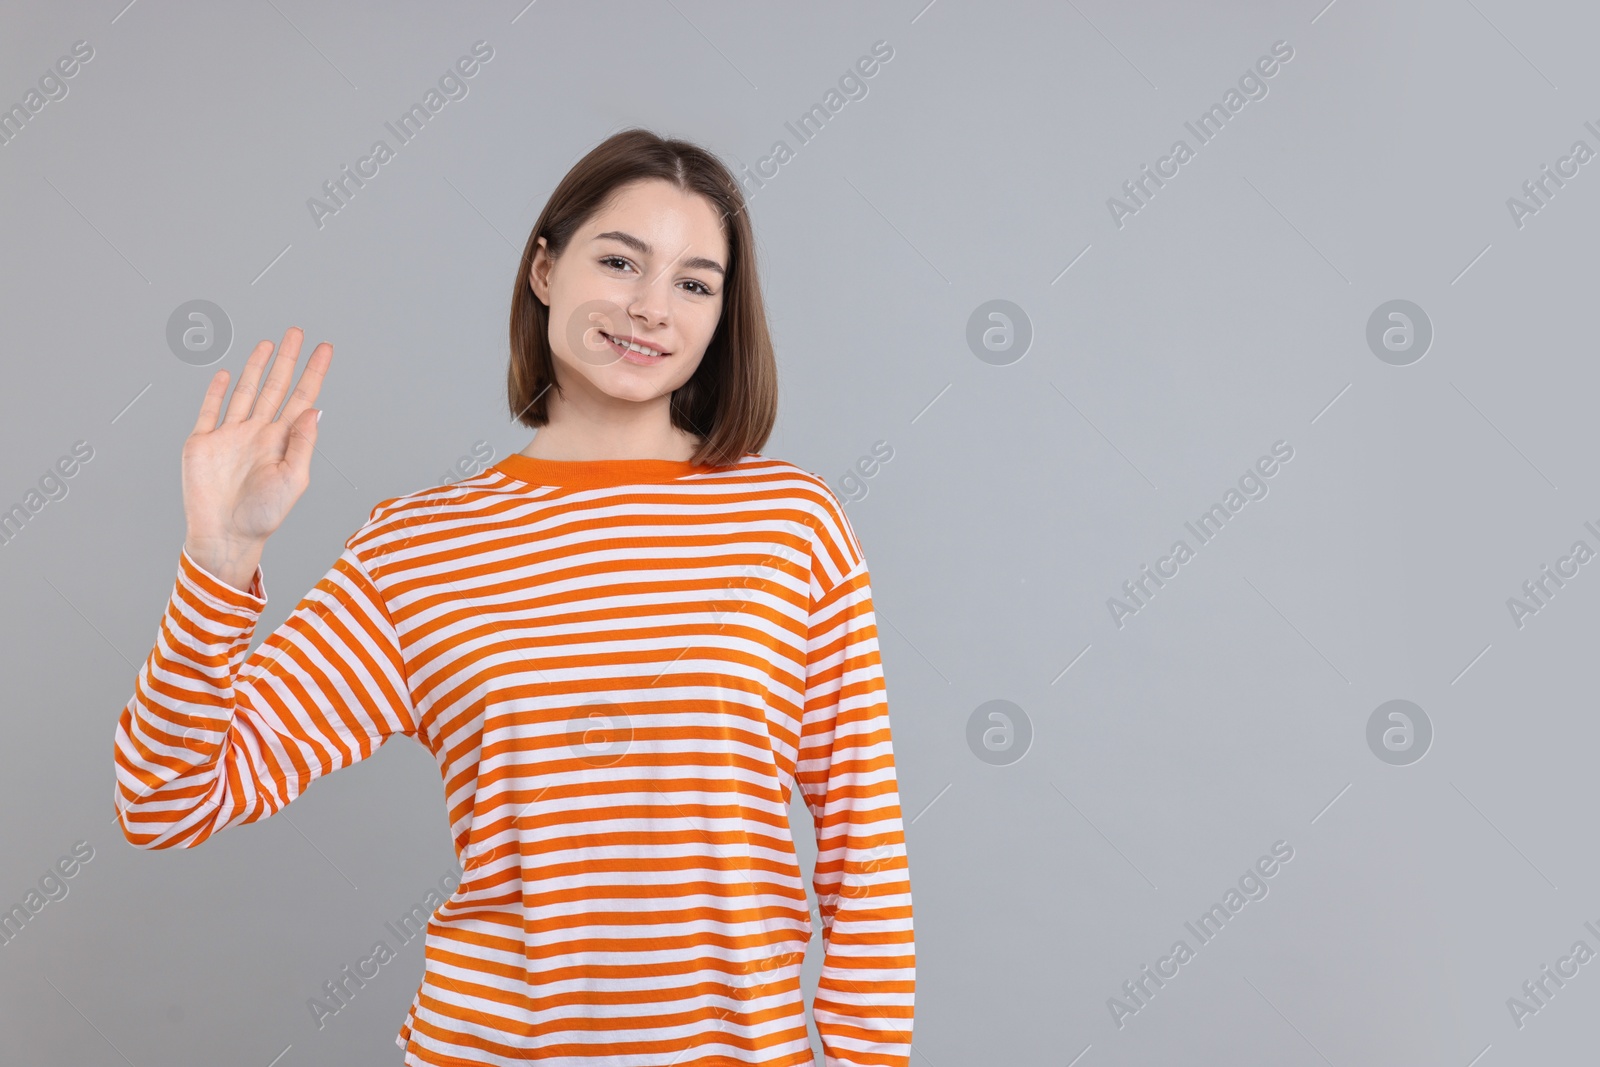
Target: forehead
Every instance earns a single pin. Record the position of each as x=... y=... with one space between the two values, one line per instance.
x=668 y=219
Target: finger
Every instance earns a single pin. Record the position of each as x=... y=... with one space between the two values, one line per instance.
x=244 y=394
x=302 y=442
x=212 y=404
x=305 y=391
x=282 y=371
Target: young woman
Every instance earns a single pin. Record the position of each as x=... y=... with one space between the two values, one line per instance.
x=624 y=645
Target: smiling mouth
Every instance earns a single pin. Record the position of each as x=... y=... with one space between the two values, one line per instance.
x=633 y=349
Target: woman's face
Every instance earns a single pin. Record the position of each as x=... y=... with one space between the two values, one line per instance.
x=649 y=267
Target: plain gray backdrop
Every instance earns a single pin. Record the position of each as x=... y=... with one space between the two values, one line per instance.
x=1147 y=358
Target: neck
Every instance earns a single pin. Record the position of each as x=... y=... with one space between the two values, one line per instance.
x=638 y=431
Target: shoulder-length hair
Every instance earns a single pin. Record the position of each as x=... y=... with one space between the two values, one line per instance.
x=731 y=401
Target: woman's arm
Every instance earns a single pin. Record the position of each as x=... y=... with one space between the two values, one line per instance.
x=863 y=1004
x=213 y=738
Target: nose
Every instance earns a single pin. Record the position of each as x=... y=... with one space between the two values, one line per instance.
x=648 y=309
x=651 y=297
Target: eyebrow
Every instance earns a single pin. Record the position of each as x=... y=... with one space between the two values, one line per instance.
x=644 y=249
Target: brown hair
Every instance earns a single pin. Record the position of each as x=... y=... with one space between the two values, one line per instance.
x=731 y=401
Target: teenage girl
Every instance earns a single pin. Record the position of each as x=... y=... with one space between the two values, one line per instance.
x=624 y=645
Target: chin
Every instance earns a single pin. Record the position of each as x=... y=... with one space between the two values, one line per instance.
x=638 y=389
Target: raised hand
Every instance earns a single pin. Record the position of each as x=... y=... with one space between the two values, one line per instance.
x=242 y=475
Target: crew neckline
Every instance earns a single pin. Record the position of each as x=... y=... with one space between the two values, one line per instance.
x=596 y=472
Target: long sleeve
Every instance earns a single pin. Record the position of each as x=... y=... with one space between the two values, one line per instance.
x=214 y=738
x=863 y=1004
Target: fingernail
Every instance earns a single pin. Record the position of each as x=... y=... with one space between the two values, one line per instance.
x=319 y=415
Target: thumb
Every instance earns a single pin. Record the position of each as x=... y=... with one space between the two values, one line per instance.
x=302 y=438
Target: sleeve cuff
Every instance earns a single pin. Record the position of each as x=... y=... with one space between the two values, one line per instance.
x=219 y=593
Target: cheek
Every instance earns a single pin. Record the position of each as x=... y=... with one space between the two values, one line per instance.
x=574 y=330
x=684 y=371
x=702 y=322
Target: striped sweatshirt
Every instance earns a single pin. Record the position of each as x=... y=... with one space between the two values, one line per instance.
x=622 y=668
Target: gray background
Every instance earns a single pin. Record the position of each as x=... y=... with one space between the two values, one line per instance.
x=1228 y=314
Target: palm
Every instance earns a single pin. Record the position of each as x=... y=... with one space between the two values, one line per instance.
x=242 y=475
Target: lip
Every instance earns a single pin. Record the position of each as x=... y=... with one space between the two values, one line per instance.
x=630 y=339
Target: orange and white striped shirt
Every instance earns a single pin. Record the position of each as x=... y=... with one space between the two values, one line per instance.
x=621 y=667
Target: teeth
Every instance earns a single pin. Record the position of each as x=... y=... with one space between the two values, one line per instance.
x=637 y=348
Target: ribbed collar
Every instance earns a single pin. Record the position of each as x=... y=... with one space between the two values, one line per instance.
x=596 y=472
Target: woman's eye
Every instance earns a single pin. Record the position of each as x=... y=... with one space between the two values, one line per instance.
x=701 y=287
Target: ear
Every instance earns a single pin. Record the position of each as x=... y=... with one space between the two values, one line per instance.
x=539 y=272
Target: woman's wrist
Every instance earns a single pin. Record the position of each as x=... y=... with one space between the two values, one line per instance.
x=234 y=562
